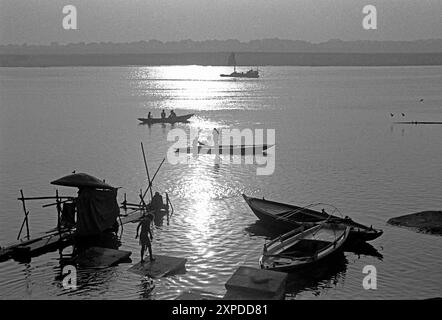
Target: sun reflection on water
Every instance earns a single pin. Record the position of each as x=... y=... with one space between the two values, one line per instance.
x=186 y=88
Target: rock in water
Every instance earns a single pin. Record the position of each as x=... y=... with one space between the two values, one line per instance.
x=426 y=221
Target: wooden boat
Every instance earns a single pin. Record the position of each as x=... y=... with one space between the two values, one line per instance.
x=297 y=249
x=287 y=216
x=226 y=149
x=176 y=119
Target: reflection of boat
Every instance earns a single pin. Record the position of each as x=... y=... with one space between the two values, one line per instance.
x=297 y=249
x=232 y=62
x=176 y=119
x=316 y=280
x=226 y=149
x=287 y=217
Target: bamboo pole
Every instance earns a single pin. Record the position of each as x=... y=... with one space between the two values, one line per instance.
x=43 y=198
x=55 y=203
x=58 y=206
x=144 y=206
x=153 y=178
x=25 y=220
x=147 y=170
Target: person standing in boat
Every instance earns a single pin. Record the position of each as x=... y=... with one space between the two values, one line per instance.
x=163 y=114
x=145 y=241
x=149 y=115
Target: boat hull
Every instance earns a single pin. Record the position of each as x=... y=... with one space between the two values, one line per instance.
x=244 y=75
x=301 y=248
x=184 y=118
x=358 y=232
x=226 y=149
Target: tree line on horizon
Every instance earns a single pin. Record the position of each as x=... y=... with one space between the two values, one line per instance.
x=231 y=45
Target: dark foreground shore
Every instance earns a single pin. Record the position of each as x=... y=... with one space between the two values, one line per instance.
x=220 y=59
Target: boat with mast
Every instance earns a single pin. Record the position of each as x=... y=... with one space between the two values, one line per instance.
x=231 y=61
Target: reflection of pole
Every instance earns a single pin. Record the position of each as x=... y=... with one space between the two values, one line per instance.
x=147 y=170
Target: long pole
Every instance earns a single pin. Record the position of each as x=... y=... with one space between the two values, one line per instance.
x=153 y=178
x=25 y=221
x=44 y=198
x=147 y=169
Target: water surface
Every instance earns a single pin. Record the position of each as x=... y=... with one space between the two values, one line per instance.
x=336 y=143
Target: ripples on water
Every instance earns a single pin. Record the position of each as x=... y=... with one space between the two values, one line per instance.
x=335 y=144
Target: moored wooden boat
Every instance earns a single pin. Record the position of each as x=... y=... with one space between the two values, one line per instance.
x=299 y=248
x=287 y=217
x=183 y=118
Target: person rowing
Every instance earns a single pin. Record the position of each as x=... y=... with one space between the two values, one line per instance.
x=172 y=114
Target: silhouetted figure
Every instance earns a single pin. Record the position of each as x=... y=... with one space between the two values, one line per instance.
x=149 y=115
x=163 y=114
x=403 y=114
x=421 y=100
x=157 y=202
x=144 y=236
x=391 y=114
x=172 y=114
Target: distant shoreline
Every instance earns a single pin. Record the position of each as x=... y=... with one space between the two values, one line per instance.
x=219 y=59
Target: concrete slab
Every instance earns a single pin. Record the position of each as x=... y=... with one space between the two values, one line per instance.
x=97 y=257
x=161 y=267
x=256 y=283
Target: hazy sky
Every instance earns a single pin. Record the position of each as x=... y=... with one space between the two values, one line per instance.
x=40 y=21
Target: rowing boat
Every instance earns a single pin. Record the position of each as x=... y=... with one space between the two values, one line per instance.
x=176 y=119
x=287 y=216
x=226 y=149
x=297 y=249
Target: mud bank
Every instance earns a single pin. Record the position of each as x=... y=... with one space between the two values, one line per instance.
x=425 y=221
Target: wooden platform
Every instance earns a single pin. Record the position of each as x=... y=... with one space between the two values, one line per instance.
x=132 y=218
x=161 y=267
x=256 y=284
x=97 y=257
x=138 y=215
x=34 y=248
